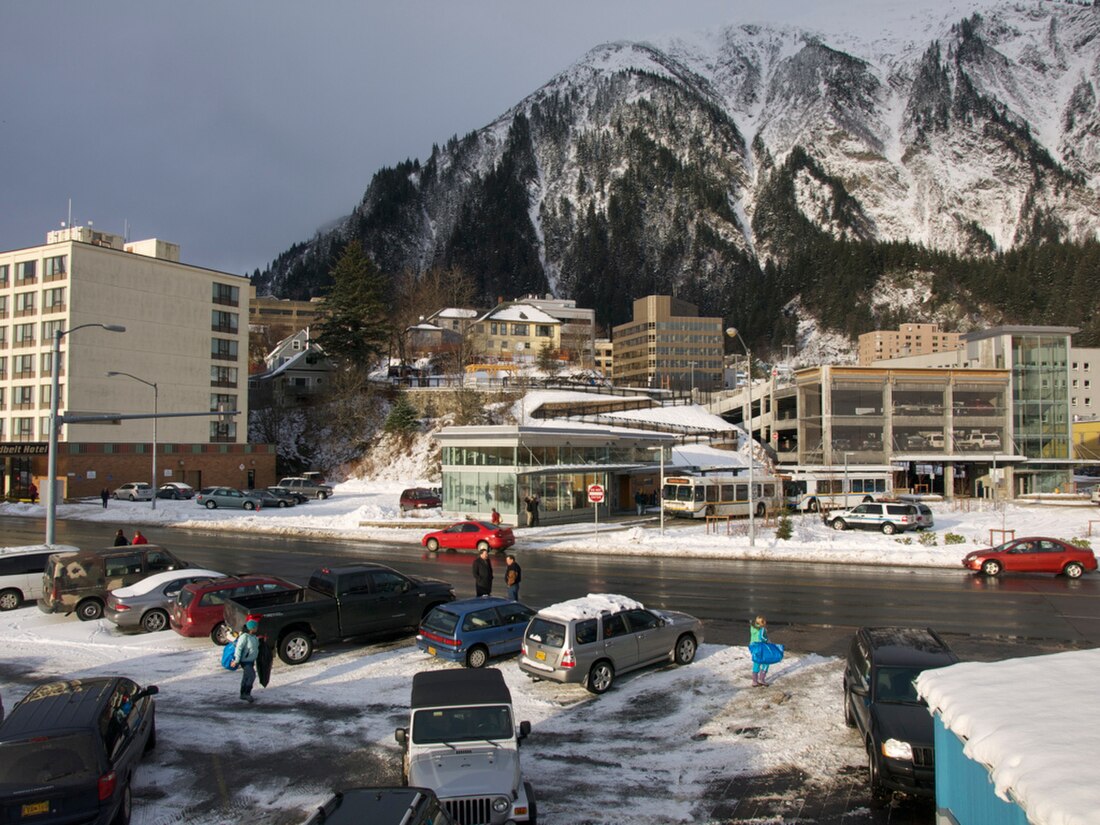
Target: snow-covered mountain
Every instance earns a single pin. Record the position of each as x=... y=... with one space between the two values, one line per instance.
x=706 y=167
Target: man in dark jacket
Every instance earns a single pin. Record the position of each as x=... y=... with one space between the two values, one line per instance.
x=483 y=574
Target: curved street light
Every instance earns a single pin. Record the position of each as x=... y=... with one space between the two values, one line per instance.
x=51 y=472
x=152 y=384
x=732 y=333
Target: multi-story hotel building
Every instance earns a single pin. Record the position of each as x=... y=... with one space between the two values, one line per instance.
x=186 y=332
x=668 y=346
x=908 y=339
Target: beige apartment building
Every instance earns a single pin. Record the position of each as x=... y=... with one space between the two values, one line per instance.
x=908 y=339
x=668 y=345
x=184 y=333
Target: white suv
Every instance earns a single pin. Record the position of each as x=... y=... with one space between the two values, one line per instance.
x=888 y=517
x=462 y=742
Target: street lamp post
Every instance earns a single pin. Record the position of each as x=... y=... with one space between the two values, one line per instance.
x=152 y=384
x=661 y=486
x=55 y=389
x=732 y=333
x=847 y=486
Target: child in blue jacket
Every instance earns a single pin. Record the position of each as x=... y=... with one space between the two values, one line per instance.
x=758 y=632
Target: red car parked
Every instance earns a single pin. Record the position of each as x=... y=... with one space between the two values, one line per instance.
x=198 y=608
x=470 y=535
x=1035 y=554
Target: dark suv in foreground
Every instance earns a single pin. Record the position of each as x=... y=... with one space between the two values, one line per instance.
x=68 y=751
x=881 y=702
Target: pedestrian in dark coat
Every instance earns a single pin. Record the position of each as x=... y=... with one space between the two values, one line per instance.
x=245 y=651
x=639 y=502
x=535 y=509
x=513 y=574
x=483 y=574
x=105 y=494
x=120 y=539
x=33 y=490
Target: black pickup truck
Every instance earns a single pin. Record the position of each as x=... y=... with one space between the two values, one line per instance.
x=339 y=603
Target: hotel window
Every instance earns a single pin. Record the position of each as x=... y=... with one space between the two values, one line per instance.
x=22 y=398
x=3 y=367
x=223 y=431
x=223 y=376
x=24 y=303
x=53 y=300
x=49 y=328
x=2 y=406
x=5 y=269
x=44 y=395
x=47 y=365
x=223 y=349
x=3 y=337
x=54 y=267
x=3 y=306
x=226 y=295
x=224 y=321
x=220 y=401
x=44 y=426
x=23 y=366
x=25 y=271
x=23 y=335
x=22 y=428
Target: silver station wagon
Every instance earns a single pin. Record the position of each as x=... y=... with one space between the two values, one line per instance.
x=592 y=639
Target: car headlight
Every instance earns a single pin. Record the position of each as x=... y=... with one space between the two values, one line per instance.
x=896 y=749
x=501 y=804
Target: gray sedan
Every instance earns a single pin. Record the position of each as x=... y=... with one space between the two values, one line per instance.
x=213 y=497
x=144 y=604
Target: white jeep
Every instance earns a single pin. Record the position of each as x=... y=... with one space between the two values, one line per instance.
x=462 y=742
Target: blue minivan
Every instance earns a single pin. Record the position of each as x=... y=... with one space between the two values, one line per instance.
x=472 y=631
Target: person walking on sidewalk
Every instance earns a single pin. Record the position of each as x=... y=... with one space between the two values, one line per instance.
x=244 y=654
x=513 y=574
x=105 y=494
x=120 y=539
x=483 y=574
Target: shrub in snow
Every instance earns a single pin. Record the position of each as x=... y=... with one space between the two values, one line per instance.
x=1086 y=543
x=953 y=538
x=927 y=539
x=783 y=531
x=904 y=539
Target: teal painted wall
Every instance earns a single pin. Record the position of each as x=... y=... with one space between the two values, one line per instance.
x=963 y=787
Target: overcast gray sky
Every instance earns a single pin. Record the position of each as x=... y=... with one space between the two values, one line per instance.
x=237 y=127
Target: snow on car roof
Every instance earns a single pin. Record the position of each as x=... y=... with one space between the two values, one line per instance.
x=591 y=606
x=154 y=581
x=38 y=548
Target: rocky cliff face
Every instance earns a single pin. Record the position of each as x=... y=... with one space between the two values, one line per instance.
x=702 y=168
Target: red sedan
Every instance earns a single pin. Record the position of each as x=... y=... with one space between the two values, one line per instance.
x=470 y=535
x=1036 y=554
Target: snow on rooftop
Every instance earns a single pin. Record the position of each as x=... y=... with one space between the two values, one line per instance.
x=523 y=312
x=707 y=458
x=1022 y=719
x=590 y=606
x=683 y=415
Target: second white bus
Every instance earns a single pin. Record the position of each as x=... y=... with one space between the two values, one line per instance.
x=813 y=489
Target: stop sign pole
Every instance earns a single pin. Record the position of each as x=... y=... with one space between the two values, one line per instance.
x=595 y=495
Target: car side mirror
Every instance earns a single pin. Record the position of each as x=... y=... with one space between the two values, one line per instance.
x=149 y=690
x=401 y=735
x=524 y=730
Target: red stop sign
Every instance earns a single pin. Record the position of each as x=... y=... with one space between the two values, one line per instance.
x=595 y=493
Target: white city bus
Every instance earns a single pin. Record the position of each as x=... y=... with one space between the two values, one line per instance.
x=699 y=496
x=812 y=489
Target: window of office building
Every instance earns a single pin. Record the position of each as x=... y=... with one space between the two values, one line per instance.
x=4 y=274
x=3 y=306
x=25 y=271
x=23 y=335
x=45 y=394
x=49 y=328
x=54 y=266
x=22 y=428
x=24 y=303
x=53 y=300
x=220 y=401
x=1040 y=401
x=223 y=349
x=23 y=366
x=22 y=398
x=223 y=431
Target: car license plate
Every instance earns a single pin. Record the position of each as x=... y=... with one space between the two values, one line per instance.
x=540 y=655
x=431 y=650
x=34 y=808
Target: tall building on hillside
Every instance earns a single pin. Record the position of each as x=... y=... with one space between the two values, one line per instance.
x=1084 y=383
x=908 y=339
x=668 y=346
x=184 y=333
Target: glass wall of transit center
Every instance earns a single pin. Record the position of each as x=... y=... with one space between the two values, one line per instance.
x=1040 y=403
x=479 y=478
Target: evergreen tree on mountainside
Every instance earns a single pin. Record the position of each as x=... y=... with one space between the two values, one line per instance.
x=493 y=237
x=355 y=326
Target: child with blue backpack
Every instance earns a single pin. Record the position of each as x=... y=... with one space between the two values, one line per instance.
x=758 y=633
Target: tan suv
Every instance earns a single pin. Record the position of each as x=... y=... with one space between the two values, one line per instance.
x=306 y=487
x=79 y=582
